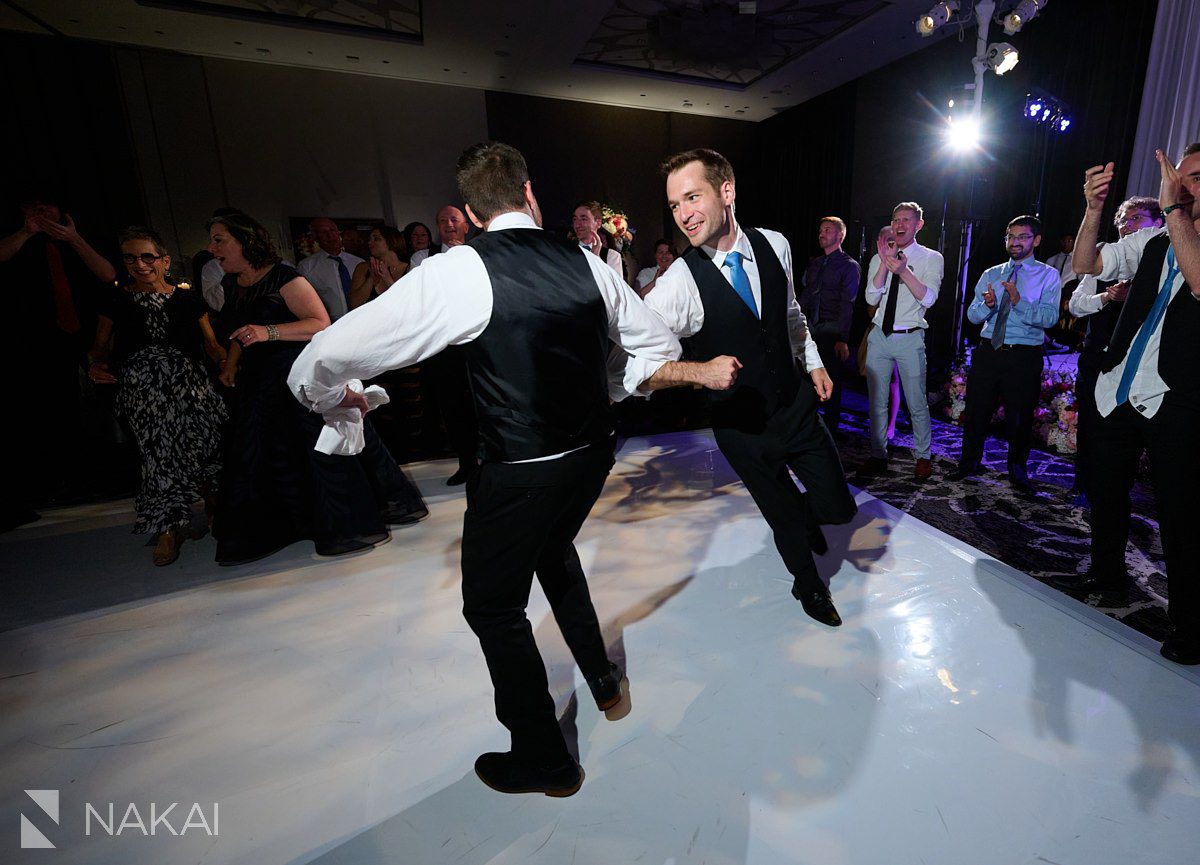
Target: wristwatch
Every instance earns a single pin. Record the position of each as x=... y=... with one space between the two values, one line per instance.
x=1167 y=210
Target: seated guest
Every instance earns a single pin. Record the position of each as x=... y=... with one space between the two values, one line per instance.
x=1148 y=395
x=1099 y=304
x=372 y=278
x=276 y=489
x=417 y=238
x=1015 y=301
x=147 y=343
x=664 y=254
x=329 y=270
x=585 y=223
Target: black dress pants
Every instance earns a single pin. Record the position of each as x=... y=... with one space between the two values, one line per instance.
x=832 y=409
x=1087 y=417
x=794 y=437
x=522 y=518
x=1169 y=438
x=1015 y=374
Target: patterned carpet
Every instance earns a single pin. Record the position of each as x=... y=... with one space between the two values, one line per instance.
x=1044 y=537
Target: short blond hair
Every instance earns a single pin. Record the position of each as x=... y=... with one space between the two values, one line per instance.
x=834 y=220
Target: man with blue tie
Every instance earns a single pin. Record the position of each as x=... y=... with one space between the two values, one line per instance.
x=330 y=268
x=1148 y=395
x=733 y=293
x=1015 y=302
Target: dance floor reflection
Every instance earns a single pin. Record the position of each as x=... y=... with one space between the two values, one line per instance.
x=333 y=709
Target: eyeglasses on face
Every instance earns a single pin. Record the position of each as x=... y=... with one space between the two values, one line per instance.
x=144 y=258
x=1131 y=218
x=1020 y=238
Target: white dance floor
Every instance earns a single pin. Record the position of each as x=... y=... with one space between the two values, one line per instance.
x=330 y=711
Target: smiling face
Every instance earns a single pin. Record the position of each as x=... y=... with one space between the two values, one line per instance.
x=585 y=224
x=145 y=264
x=452 y=226
x=1021 y=241
x=420 y=238
x=906 y=224
x=663 y=256
x=703 y=213
x=226 y=249
x=1135 y=219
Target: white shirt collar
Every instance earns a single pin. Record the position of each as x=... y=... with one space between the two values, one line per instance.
x=741 y=243
x=512 y=219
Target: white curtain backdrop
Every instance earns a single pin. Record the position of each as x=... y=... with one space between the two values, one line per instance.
x=1170 y=112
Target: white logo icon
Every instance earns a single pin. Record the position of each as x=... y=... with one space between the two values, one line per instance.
x=31 y=836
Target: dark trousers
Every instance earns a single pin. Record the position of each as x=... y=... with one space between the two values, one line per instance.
x=1015 y=374
x=1087 y=417
x=1169 y=438
x=832 y=409
x=794 y=437
x=447 y=390
x=522 y=519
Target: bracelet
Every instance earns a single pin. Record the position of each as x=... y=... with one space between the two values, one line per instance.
x=272 y=333
x=1167 y=210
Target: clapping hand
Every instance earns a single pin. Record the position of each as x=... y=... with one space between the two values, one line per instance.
x=65 y=232
x=989 y=297
x=1117 y=291
x=380 y=272
x=1096 y=181
x=1011 y=287
x=1170 y=189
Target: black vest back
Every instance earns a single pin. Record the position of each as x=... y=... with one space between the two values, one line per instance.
x=768 y=378
x=538 y=371
x=1179 y=349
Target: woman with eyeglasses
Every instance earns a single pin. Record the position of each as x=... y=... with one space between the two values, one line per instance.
x=148 y=344
x=276 y=487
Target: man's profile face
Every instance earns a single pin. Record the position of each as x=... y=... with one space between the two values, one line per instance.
x=1189 y=173
x=328 y=235
x=452 y=226
x=700 y=210
x=829 y=236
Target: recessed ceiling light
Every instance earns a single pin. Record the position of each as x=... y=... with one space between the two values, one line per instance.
x=353 y=57
x=445 y=68
x=263 y=50
x=159 y=33
x=386 y=61
x=235 y=42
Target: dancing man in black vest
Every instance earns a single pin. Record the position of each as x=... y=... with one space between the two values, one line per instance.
x=732 y=293
x=535 y=317
x=1148 y=395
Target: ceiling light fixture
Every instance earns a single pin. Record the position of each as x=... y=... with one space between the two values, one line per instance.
x=1021 y=14
x=936 y=17
x=1001 y=57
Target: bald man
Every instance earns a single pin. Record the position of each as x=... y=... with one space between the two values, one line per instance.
x=329 y=268
x=452 y=226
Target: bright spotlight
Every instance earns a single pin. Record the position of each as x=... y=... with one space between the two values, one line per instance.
x=1022 y=14
x=962 y=135
x=936 y=17
x=1035 y=109
x=1001 y=57
x=1064 y=124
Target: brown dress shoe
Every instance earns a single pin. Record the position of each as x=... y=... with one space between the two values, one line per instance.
x=166 y=550
x=923 y=470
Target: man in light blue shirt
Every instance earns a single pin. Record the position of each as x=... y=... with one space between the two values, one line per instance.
x=1016 y=302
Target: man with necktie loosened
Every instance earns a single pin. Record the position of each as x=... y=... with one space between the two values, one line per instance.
x=1148 y=395
x=1008 y=361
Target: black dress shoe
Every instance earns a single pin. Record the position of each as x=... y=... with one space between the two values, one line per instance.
x=508 y=773
x=1019 y=481
x=1181 y=651
x=964 y=472
x=818 y=605
x=457 y=479
x=1110 y=592
x=816 y=540
x=607 y=689
x=405 y=514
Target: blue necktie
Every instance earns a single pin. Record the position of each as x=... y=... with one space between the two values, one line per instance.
x=343 y=275
x=1005 y=307
x=741 y=282
x=1134 y=358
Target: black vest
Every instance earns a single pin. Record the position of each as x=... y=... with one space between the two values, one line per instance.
x=538 y=371
x=768 y=378
x=1179 y=347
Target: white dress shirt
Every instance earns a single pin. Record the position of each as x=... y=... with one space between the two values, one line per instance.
x=422 y=254
x=927 y=265
x=1120 y=260
x=1085 y=300
x=449 y=302
x=322 y=271
x=210 y=284
x=676 y=297
x=645 y=275
x=1062 y=262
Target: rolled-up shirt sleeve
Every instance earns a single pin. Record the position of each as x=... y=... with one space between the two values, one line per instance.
x=446 y=302
x=930 y=272
x=643 y=342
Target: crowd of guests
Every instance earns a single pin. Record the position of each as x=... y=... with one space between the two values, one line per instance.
x=199 y=376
